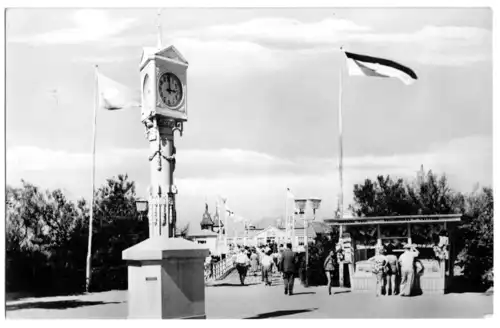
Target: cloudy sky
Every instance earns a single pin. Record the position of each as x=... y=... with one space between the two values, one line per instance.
x=263 y=100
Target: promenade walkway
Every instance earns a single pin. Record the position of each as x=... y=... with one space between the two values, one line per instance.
x=229 y=300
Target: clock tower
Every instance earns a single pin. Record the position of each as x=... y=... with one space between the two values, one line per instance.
x=164 y=110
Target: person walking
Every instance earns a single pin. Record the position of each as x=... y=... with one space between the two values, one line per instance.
x=287 y=266
x=392 y=270
x=254 y=262
x=261 y=254
x=267 y=268
x=242 y=264
x=406 y=262
x=329 y=266
x=379 y=269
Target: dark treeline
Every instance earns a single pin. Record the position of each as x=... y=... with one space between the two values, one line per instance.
x=47 y=238
x=427 y=194
x=47 y=235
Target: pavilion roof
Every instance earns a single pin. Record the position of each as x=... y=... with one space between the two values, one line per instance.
x=396 y=219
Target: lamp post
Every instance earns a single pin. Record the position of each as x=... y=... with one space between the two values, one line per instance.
x=141 y=205
x=301 y=206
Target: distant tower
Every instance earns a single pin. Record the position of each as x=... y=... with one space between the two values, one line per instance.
x=206 y=221
x=421 y=175
x=217 y=222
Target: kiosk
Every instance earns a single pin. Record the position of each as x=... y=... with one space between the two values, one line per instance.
x=432 y=235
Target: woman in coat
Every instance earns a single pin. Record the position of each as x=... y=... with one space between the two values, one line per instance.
x=329 y=267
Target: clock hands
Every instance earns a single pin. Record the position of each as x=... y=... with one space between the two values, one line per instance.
x=170 y=90
x=170 y=82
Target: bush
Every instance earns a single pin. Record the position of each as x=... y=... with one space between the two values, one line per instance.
x=47 y=238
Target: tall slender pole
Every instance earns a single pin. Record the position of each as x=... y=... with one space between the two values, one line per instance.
x=306 y=244
x=341 y=194
x=287 y=221
x=88 y=273
x=158 y=26
x=225 y=227
x=219 y=232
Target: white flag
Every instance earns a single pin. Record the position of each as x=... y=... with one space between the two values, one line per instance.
x=113 y=95
x=289 y=194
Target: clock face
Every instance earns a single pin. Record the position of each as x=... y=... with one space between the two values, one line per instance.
x=170 y=89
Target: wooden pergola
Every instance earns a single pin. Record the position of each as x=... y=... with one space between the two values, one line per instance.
x=398 y=229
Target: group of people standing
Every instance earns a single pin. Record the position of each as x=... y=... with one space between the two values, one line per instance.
x=389 y=269
x=394 y=275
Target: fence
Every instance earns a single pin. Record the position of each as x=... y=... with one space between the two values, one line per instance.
x=218 y=270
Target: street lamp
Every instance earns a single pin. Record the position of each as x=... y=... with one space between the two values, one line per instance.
x=315 y=203
x=141 y=205
x=301 y=205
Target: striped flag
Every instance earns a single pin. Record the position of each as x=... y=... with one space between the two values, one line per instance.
x=113 y=95
x=362 y=65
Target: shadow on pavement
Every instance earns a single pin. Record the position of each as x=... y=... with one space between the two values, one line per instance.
x=280 y=313
x=234 y=285
x=15 y=296
x=56 y=305
x=304 y=293
x=341 y=292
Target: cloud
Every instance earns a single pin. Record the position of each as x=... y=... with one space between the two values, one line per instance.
x=434 y=45
x=203 y=165
x=254 y=182
x=101 y=59
x=229 y=58
x=279 y=30
x=90 y=26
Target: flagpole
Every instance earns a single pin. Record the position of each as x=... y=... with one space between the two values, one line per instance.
x=158 y=26
x=287 y=221
x=341 y=194
x=225 y=227
x=88 y=275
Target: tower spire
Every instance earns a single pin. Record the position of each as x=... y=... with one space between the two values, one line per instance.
x=158 y=26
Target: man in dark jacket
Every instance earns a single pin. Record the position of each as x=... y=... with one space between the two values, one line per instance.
x=287 y=266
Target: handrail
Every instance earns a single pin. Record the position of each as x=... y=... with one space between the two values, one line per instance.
x=217 y=270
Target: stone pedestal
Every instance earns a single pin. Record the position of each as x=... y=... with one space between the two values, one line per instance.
x=166 y=279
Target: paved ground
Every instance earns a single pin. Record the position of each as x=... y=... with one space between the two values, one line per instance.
x=229 y=300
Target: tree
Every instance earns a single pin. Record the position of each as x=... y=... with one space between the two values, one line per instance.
x=46 y=237
x=475 y=237
x=117 y=226
x=430 y=194
x=381 y=197
x=40 y=225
